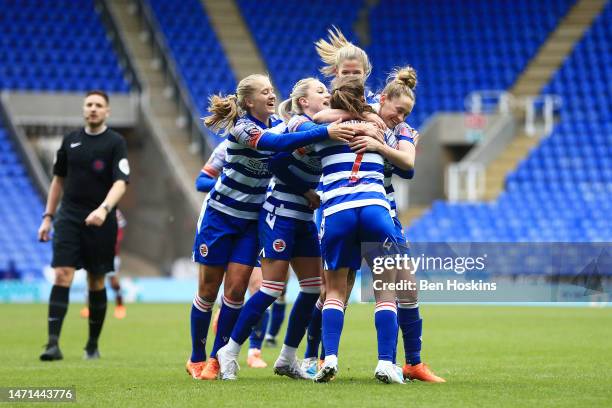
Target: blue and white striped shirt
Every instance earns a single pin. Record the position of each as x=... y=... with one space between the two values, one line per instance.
x=305 y=165
x=350 y=180
x=241 y=188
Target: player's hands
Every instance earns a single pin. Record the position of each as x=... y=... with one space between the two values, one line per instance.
x=314 y=201
x=340 y=132
x=371 y=130
x=376 y=120
x=96 y=218
x=44 y=230
x=362 y=144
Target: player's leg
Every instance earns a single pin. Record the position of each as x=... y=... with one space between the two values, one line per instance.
x=411 y=324
x=277 y=317
x=313 y=334
x=306 y=263
x=275 y=239
x=211 y=250
x=254 y=359
x=97 y=313
x=378 y=233
x=66 y=259
x=115 y=284
x=58 y=306
x=339 y=247
x=271 y=288
x=98 y=251
x=209 y=280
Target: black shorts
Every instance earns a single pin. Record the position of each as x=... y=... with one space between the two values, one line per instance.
x=79 y=246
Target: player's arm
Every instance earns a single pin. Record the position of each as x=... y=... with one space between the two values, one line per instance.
x=279 y=166
x=205 y=182
x=251 y=136
x=121 y=176
x=405 y=174
x=60 y=170
x=55 y=194
x=331 y=115
x=401 y=157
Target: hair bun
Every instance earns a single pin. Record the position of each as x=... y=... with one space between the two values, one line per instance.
x=408 y=76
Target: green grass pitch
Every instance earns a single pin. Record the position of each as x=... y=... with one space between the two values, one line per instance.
x=490 y=356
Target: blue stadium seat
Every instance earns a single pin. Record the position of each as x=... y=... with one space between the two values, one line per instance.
x=20 y=210
x=56 y=46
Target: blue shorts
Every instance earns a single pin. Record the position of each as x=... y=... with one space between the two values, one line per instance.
x=285 y=238
x=400 y=237
x=344 y=232
x=222 y=238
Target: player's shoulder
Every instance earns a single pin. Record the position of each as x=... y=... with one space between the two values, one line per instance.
x=74 y=135
x=114 y=135
x=296 y=121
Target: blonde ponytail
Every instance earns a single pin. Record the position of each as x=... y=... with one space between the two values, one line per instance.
x=338 y=49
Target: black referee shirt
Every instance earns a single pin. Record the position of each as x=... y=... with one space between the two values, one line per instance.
x=90 y=164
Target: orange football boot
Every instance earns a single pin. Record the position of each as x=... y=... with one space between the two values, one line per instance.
x=85 y=312
x=254 y=359
x=421 y=372
x=195 y=369
x=211 y=370
x=120 y=312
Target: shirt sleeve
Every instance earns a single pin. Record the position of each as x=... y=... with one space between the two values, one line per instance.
x=216 y=161
x=121 y=166
x=248 y=134
x=404 y=132
x=60 y=165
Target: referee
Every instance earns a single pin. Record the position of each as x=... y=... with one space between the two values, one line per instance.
x=92 y=170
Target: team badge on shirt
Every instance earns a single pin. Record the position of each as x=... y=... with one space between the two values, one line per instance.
x=98 y=165
x=204 y=250
x=254 y=135
x=279 y=245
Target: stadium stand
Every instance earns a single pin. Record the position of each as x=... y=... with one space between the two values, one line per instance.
x=195 y=48
x=58 y=45
x=20 y=211
x=286 y=37
x=562 y=192
x=458 y=48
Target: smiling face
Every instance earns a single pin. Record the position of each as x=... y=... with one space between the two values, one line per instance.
x=395 y=110
x=350 y=67
x=95 y=111
x=262 y=102
x=316 y=99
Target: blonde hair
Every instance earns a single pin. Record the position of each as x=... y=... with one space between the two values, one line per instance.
x=347 y=94
x=338 y=49
x=226 y=109
x=291 y=106
x=401 y=81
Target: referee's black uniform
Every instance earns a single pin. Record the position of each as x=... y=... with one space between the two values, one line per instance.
x=90 y=164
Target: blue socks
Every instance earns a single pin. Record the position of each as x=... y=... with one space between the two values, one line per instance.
x=314 y=331
x=255 y=308
x=230 y=310
x=276 y=319
x=333 y=321
x=301 y=314
x=259 y=331
x=412 y=328
x=385 y=319
x=201 y=311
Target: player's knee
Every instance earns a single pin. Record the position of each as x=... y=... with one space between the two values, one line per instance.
x=64 y=276
x=95 y=282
